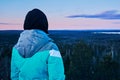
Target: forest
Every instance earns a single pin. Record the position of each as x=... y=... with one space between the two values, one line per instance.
x=86 y=56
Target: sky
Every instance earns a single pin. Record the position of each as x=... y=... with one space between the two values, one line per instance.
x=63 y=14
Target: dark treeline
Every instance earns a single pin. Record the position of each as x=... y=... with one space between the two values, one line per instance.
x=91 y=62
x=86 y=56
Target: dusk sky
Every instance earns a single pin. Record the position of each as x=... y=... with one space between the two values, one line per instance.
x=63 y=14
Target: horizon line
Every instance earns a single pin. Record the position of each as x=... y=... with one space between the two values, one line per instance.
x=66 y=29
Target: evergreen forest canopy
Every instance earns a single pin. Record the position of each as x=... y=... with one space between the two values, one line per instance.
x=86 y=55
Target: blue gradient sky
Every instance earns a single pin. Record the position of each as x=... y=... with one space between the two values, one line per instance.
x=63 y=14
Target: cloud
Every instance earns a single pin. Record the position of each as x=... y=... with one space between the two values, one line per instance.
x=2 y=23
x=116 y=22
x=110 y=15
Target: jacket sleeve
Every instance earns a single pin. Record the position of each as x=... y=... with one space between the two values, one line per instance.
x=55 y=66
x=14 y=69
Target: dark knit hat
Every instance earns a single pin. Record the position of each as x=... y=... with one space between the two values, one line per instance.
x=36 y=19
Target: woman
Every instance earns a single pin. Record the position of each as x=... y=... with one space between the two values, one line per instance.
x=35 y=56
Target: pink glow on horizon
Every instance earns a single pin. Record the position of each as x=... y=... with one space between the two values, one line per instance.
x=67 y=24
x=11 y=27
x=82 y=24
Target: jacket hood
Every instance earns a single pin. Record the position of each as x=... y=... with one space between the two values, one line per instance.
x=31 y=41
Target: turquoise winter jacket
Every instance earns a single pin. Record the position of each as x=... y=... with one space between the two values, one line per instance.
x=36 y=57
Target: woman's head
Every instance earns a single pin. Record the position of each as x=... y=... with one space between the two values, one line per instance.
x=36 y=19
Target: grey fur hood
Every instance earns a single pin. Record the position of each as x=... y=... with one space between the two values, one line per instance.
x=32 y=41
